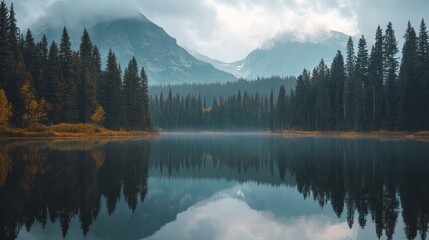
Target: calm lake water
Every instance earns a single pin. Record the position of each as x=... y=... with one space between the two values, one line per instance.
x=214 y=186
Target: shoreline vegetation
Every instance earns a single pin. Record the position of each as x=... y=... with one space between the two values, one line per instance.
x=66 y=130
x=358 y=134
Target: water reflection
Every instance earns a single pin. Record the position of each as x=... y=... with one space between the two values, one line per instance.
x=56 y=181
x=174 y=186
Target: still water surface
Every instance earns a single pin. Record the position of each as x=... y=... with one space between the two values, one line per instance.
x=214 y=186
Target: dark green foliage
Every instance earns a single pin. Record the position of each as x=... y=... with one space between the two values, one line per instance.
x=4 y=12
x=390 y=69
x=366 y=94
x=110 y=93
x=271 y=112
x=188 y=112
x=280 y=112
x=375 y=100
x=338 y=77
x=211 y=90
x=133 y=96
x=348 y=88
x=361 y=92
x=55 y=82
x=303 y=104
x=147 y=122
x=87 y=87
x=70 y=81
x=423 y=72
x=69 y=111
x=409 y=108
x=360 y=86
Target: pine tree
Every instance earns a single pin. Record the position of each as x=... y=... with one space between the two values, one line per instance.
x=13 y=30
x=323 y=105
x=361 y=86
x=87 y=89
x=338 y=77
x=423 y=72
x=3 y=42
x=85 y=48
x=271 y=112
x=69 y=112
x=408 y=108
x=43 y=47
x=280 y=113
x=39 y=83
x=87 y=95
x=110 y=92
x=55 y=84
x=348 y=89
x=302 y=101
x=132 y=92
x=4 y=14
x=96 y=61
x=31 y=57
x=390 y=68
x=147 y=122
x=375 y=74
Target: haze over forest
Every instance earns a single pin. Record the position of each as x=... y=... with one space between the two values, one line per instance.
x=229 y=30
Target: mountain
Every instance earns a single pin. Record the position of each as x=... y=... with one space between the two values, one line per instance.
x=164 y=60
x=232 y=68
x=282 y=56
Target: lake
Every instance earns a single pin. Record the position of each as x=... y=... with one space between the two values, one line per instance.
x=214 y=186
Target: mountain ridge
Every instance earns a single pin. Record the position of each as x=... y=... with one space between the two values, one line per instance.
x=283 y=55
x=164 y=60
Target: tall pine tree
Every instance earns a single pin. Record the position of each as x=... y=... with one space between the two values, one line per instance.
x=338 y=77
x=147 y=122
x=87 y=90
x=132 y=94
x=409 y=108
x=69 y=111
x=390 y=70
x=55 y=84
x=348 y=89
x=375 y=75
x=361 y=86
x=423 y=71
x=110 y=95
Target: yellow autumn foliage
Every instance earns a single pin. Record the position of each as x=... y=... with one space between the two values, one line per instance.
x=6 y=109
x=98 y=116
x=35 y=111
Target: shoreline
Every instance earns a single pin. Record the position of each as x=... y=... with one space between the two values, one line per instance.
x=421 y=135
x=70 y=131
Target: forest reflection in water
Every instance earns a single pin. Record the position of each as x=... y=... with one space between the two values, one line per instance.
x=366 y=181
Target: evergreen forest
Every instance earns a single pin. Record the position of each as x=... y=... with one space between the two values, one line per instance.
x=49 y=83
x=368 y=89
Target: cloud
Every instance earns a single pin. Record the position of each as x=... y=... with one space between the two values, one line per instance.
x=229 y=29
x=229 y=218
x=243 y=25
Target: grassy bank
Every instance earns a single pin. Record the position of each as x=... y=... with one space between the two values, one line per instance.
x=66 y=130
x=352 y=134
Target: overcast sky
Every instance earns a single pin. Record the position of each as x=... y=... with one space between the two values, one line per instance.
x=229 y=29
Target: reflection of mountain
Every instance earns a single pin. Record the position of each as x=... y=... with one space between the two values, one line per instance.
x=103 y=187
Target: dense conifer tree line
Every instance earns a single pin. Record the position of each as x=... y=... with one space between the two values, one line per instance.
x=70 y=83
x=237 y=112
x=367 y=89
x=213 y=90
